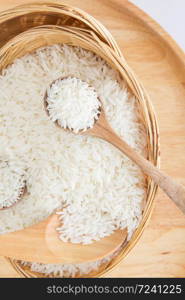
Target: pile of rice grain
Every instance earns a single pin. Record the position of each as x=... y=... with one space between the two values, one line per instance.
x=73 y=104
x=95 y=187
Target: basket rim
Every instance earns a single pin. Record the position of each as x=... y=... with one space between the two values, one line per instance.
x=57 y=6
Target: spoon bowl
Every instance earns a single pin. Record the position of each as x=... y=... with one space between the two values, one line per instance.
x=21 y=194
x=82 y=132
x=20 y=197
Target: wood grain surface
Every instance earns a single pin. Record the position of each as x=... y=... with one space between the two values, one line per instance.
x=160 y=66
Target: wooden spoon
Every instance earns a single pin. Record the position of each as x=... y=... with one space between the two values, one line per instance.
x=103 y=130
x=40 y=242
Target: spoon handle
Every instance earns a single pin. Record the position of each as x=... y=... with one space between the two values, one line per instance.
x=173 y=189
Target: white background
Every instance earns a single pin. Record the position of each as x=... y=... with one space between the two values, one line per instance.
x=170 y=14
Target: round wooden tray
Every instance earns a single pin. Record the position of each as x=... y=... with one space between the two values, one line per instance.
x=160 y=66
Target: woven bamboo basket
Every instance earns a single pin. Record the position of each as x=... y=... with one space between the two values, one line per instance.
x=28 y=27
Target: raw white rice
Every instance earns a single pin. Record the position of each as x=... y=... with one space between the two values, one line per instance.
x=11 y=182
x=95 y=187
x=73 y=104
